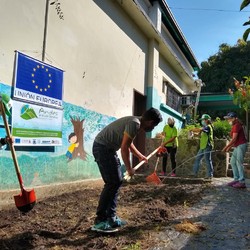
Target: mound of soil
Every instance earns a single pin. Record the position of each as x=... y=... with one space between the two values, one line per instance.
x=64 y=221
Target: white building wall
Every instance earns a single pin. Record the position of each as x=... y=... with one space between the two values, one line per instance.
x=168 y=73
x=171 y=43
x=101 y=50
x=21 y=29
x=108 y=49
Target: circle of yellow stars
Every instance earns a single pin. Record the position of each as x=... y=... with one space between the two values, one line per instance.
x=34 y=81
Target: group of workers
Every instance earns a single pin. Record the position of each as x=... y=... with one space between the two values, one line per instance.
x=120 y=135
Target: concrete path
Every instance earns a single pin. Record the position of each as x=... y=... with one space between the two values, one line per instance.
x=224 y=211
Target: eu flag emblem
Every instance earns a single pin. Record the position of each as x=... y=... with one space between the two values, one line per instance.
x=36 y=77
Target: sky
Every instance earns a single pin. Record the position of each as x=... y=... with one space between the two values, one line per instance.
x=206 y=24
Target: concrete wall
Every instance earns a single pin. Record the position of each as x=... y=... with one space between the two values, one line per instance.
x=101 y=50
x=108 y=49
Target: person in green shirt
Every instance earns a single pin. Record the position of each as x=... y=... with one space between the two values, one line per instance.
x=206 y=146
x=170 y=143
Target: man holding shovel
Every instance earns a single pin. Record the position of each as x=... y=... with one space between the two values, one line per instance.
x=118 y=135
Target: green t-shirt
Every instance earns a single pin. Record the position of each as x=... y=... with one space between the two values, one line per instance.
x=170 y=133
x=207 y=137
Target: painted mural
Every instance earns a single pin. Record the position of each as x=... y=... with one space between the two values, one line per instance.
x=70 y=162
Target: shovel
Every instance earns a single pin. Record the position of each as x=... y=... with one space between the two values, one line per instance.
x=127 y=177
x=153 y=178
x=26 y=200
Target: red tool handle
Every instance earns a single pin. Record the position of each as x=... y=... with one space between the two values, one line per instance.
x=6 y=125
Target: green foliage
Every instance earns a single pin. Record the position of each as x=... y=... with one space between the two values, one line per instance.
x=246 y=33
x=221 y=128
x=136 y=246
x=241 y=96
x=184 y=132
x=220 y=69
x=244 y=4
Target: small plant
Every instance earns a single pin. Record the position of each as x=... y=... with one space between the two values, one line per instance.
x=136 y=246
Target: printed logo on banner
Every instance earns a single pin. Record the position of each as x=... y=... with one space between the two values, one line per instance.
x=28 y=113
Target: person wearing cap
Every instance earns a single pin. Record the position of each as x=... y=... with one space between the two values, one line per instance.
x=170 y=143
x=206 y=146
x=118 y=135
x=239 y=142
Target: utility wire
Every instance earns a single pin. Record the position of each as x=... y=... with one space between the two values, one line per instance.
x=197 y=9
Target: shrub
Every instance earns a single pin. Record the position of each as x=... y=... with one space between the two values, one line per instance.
x=184 y=133
x=221 y=129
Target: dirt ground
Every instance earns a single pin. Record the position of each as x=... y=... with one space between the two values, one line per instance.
x=64 y=221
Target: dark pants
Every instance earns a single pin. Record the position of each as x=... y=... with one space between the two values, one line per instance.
x=172 y=152
x=110 y=169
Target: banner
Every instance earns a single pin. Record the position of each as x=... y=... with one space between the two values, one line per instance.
x=38 y=82
x=36 y=125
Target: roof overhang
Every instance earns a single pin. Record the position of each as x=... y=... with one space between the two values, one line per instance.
x=218 y=101
x=138 y=15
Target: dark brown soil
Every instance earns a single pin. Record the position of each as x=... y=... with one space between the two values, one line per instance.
x=63 y=222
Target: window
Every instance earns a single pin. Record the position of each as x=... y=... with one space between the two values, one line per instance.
x=172 y=98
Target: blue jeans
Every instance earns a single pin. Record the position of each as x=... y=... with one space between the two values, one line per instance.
x=206 y=153
x=236 y=162
x=110 y=169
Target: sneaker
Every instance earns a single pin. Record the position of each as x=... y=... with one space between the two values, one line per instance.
x=163 y=173
x=173 y=175
x=239 y=185
x=103 y=227
x=230 y=184
x=116 y=222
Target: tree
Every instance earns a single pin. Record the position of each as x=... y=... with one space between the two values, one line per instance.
x=219 y=70
x=241 y=97
x=79 y=151
x=244 y=4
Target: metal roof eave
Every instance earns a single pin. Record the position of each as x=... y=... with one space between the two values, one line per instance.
x=174 y=29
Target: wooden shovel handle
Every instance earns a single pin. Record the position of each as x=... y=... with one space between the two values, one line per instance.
x=128 y=177
x=13 y=153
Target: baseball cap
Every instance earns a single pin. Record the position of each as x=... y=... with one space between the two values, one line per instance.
x=230 y=115
x=7 y=102
x=205 y=117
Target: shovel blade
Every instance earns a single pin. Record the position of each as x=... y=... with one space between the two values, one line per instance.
x=25 y=201
x=153 y=178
